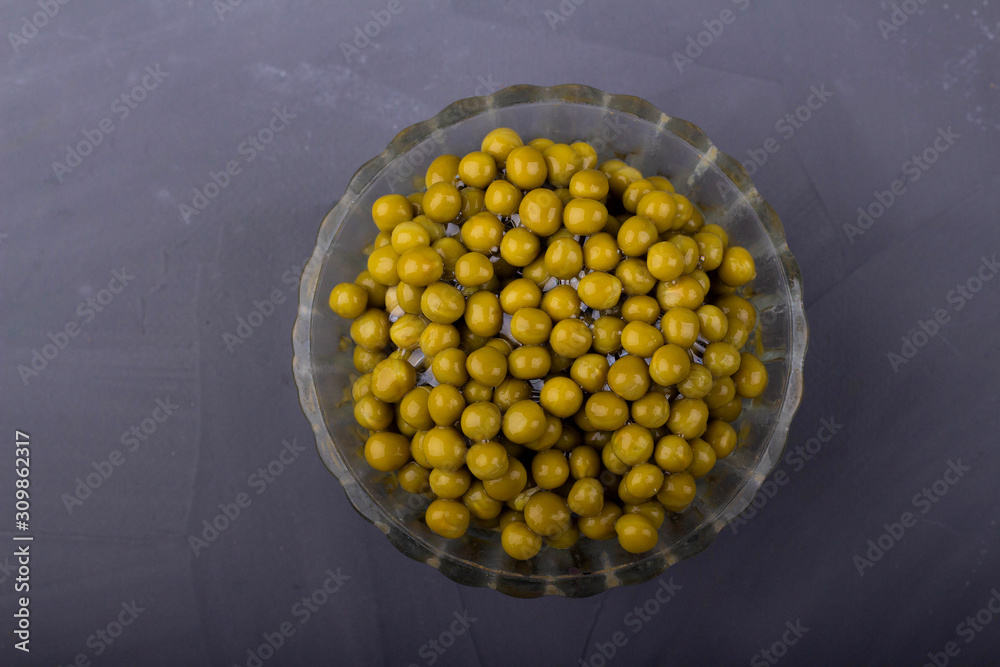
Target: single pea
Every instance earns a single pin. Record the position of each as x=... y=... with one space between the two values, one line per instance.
x=448 y=367
x=450 y=484
x=508 y=516
x=586 y=497
x=387 y=451
x=375 y=290
x=371 y=330
x=508 y=485
x=481 y=421
x=587 y=153
x=644 y=480
x=689 y=250
x=570 y=338
x=665 y=261
x=473 y=202
x=444 y=447
x=641 y=339
x=677 y=492
x=635 y=277
x=564 y=540
x=728 y=412
x=737 y=334
x=530 y=326
x=442 y=202
x=718 y=231
x=562 y=162
x=722 y=359
x=736 y=306
x=382 y=266
x=442 y=303
x=609 y=166
x=414 y=478
x=511 y=391
x=442 y=169
x=680 y=326
x=636 y=236
x=529 y=362
x=653 y=510
x=413 y=408
x=561 y=302
x=660 y=207
x=599 y=290
x=688 y=418
x=550 y=469
x=697 y=384
x=447 y=518
x=405 y=332
x=607 y=332
x=526 y=167
x=361 y=387
x=632 y=444
x=390 y=210
x=477 y=169
x=590 y=372
x=480 y=505
x=564 y=258
x=392 y=379
x=636 y=534
x=629 y=377
x=602 y=525
x=541 y=212
x=365 y=360
x=635 y=191
x=483 y=315
x=500 y=142
x=410 y=235
x=487 y=460
x=523 y=422
x=685 y=211
x=589 y=184
x=482 y=233
x=417 y=450
x=519 y=541
x=702 y=279
x=561 y=396
x=672 y=453
x=404 y=428
x=751 y=377
x=473 y=269
x=661 y=183
x=435 y=230
x=519 y=247
x=487 y=366
x=710 y=249
x=449 y=250
x=436 y=337
x=723 y=391
x=737 y=267
x=502 y=198
x=606 y=411
x=419 y=266
x=712 y=323
x=651 y=411
x=445 y=404
x=584 y=217
x=600 y=252
x=703 y=458
x=721 y=436
x=535 y=272
x=584 y=461
x=621 y=178
x=547 y=514
x=348 y=300
x=641 y=308
x=373 y=414
x=685 y=292
x=520 y=293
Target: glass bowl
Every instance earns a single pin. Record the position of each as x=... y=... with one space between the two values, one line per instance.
x=618 y=126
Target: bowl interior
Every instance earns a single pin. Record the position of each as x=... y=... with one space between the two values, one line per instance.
x=655 y=144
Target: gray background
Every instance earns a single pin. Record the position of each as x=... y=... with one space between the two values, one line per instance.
x=162 y=336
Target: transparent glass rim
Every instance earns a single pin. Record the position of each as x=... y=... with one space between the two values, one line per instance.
x=476 y=574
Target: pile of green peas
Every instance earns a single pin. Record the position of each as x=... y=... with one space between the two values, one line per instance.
x=549 y=347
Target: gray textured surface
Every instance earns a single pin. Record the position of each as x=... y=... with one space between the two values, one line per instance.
x=162 y=336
